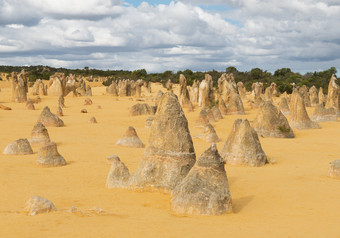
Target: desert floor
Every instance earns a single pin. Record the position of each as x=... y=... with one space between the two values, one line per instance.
x=292 y=198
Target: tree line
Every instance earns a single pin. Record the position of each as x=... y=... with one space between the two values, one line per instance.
x=282 y=77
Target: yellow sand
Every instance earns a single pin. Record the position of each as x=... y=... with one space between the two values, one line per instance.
x=293 y=198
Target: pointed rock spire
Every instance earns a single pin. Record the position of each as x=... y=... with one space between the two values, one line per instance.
x=270 y=122
x=243 y=146
x=205 y=190
x=130 y=139
x=170 y=152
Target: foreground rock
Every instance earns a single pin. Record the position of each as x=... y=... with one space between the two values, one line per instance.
x=36 y=205
x=270 y=122
x=39 y=135
x=170 y=152
x=205 y=190
x=18 y=147
x=299 y=118
x=48 y=156
x=119 y=174
x=49 y=119
x=130 y=139
x=334 y=169
x=243 y=146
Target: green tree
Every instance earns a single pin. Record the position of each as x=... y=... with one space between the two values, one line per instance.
x=231 y=69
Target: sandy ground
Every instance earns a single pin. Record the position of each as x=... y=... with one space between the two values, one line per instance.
x=293 y=198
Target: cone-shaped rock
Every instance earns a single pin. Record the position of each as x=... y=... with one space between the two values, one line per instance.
x=270 y=122
x=283 y=106
x=18 y=147
x=334 y=169
x=36 y=205
x=205 y=190
x=234 y=104
x=210 y=114
x=88 y=101
x=93 y=120
x=112 y=89
x=322 y=114
x=202 y=119
x=49 y=119
x=299 y=118
x=130 y=139
x=48 y=156
x=170 y=152
x=39 y=135
x=223 y=108
x=118 y=175
x=313 y=94
x=29 y=104
x=209 y=134
x=243 y=146
x=216 y=112
x=60 y=112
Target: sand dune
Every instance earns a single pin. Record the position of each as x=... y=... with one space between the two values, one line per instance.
x=292 y=198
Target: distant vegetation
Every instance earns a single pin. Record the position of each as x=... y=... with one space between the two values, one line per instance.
x=282 y=77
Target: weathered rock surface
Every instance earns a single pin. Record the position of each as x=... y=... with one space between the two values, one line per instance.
x=49 y=119
x=60 y=112
x=170 y=152
x=334 y=169
x=283 y=106
x=332 y=97
x=234 y=104
x=313 y=94
x=93 y=120
x=216 y=113
x=322 y=114
x=39 y=135
x=202 y=119
x=205 y=190
x=48 y=156
x=299 y=118
x=148 y=121
x=270 y=122
x=130 y=139
x=119 y=174
x=36 y=205
x=29 y=104
x=209 y=134
x=243 y=146
x=18 y=147
x=140 y=109
x=88 y=101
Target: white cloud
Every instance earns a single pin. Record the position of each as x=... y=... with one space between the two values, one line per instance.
x=300 y=34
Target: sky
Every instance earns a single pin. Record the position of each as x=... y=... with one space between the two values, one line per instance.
x=200 y=35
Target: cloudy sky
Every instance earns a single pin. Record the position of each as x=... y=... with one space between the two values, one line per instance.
x=303 y=35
